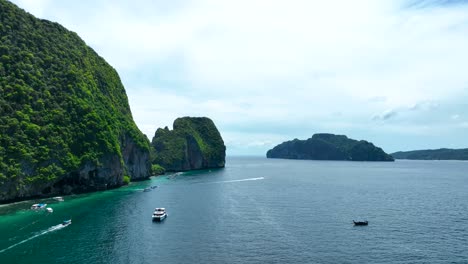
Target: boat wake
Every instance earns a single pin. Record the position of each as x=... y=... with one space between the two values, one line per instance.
x=50 y=229
x=26 y=226
x=173 y=175
x=241 y=180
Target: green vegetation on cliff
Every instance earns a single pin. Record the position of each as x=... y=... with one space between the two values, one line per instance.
x=157 y=169
x=194 y=143
x=433 y=154
x=61 y=107
x=329 y=147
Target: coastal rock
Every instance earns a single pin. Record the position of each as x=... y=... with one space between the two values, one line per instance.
x=329 y=147
x=194 y=143
x=65 y=121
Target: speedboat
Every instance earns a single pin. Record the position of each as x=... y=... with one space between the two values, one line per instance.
x=49 y=210
x=360 y=223
x=159 y=214
x=66 y=222
x=38 y=206
x=58 y=198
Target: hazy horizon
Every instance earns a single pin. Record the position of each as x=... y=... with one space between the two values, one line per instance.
x=390 y=72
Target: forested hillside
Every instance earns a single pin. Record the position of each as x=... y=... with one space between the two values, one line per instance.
x=194 y=143
x=324 y=146
x=65 y=121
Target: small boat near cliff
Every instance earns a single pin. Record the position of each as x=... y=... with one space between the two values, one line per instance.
x=58 y=198
x=360 y=223
x=159 y=214
x=38 y=206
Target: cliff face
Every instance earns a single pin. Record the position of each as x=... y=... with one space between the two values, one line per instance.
x=194 y=143
x=329 y=147
x=136 y=159
x=65 y=122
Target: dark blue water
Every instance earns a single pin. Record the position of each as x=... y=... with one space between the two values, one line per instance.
x=258 y=210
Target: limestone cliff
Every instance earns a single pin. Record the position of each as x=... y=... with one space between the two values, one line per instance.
x=65 y=121
x=194 y=143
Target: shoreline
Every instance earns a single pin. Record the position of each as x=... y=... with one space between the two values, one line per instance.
x=42 y=197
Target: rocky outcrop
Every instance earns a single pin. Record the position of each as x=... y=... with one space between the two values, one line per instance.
x=329 y=147
x=194 y=143
x=65 y=121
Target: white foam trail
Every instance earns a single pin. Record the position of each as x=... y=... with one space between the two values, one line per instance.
x=241 y=180
x=28 y=225
x=50 y=229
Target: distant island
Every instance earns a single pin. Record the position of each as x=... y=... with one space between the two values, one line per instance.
x=433 y=154
x=194 y=143
x=329 y=147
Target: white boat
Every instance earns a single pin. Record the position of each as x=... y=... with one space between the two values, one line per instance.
x=58 y=198
x=66 y=222
x=49 y=210
x=159 y=214
x=38 y=206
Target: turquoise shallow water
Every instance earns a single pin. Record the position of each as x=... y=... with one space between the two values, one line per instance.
x=257 y=210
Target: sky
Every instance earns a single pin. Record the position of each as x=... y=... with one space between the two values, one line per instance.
x=393 y=72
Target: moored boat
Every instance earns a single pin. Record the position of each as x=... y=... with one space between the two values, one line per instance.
x=38 y=206
x=159 y=214
x=58 y=198
x=360 y=223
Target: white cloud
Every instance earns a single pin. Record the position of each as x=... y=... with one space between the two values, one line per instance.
x=293 y=63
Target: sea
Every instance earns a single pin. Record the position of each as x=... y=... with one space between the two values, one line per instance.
x=256 y=210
